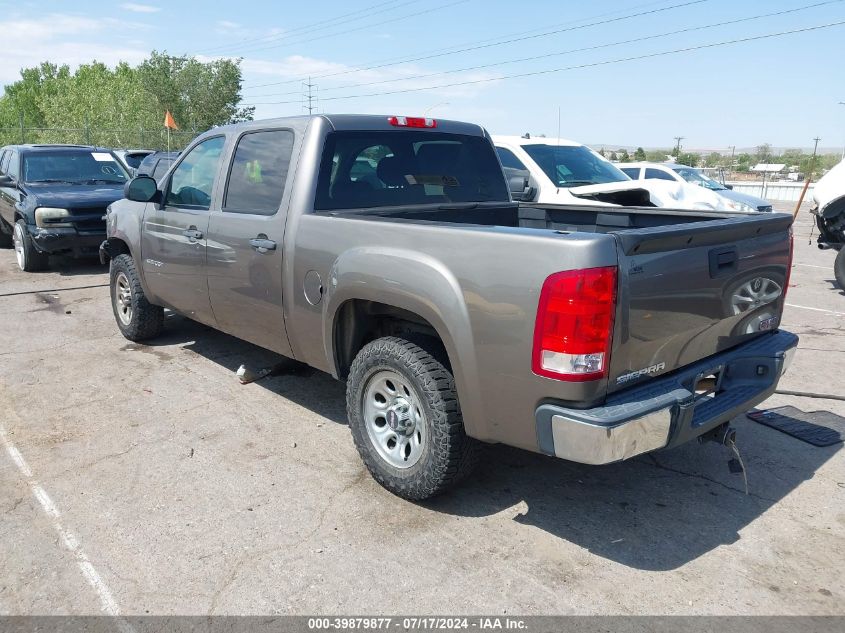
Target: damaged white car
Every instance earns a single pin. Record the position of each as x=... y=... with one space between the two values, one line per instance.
x=559 y=171
x=829 y=209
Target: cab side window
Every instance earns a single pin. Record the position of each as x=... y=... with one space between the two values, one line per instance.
x=657 y=174
x=509 y=159
x=192 y=182
x=13 y=169
x=4 y=161
x=632 y=172
x=258 y=172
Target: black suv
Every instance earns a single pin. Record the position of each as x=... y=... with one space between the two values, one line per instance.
x=53 y=199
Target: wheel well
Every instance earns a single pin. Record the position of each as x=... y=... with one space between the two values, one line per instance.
x=359 y=321
x=118 y=247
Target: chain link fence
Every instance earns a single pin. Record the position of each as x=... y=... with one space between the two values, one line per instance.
x=139 y=138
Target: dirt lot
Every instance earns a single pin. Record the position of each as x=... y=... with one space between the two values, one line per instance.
x=145 y=479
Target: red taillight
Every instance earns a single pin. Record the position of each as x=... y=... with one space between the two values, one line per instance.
x=411 y=121
x=789 y=262
x=574 y=327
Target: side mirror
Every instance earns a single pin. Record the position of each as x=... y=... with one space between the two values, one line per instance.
x=729 y=186
x=6 y=181
x=141 y=189
x=519 y=186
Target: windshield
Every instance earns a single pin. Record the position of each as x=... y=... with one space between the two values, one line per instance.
x=695 y=177
x=396 y=168
x=571 y=166
x=75 y=168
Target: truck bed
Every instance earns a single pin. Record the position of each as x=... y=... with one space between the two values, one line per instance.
x=691 y=283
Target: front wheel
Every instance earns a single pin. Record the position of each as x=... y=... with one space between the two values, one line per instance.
x=30 y=260
x=137 y=318
x=405 y=419
x=839 y=268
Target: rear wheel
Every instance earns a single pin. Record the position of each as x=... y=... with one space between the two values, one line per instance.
x=29 y=259
x=405 y=419
x=839 y=268
x=136 y=317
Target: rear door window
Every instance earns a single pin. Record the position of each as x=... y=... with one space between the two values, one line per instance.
x=258 y=172
x=396 y=168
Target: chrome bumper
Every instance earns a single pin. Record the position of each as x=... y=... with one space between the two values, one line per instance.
x=587 y=443
x=665 y=411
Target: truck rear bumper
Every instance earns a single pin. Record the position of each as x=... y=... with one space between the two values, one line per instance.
x=667 y=411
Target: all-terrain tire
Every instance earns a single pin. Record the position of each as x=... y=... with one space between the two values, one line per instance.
x=142 y=320
x=839 y=268
x=447 y=453
x=30 y=259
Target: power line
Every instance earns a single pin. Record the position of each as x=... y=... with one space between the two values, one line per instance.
x=499 y=42
x=567 y=52
x=308 y=28
x=353 y=30
x=575 y=67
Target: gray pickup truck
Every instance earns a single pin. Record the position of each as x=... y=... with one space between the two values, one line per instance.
x=387 y=252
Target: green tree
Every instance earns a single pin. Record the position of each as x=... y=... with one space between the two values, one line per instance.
x=688 y=158
x=624 y=157
x=764 y=153
x=613 y=157
x=714 y=159
x=657 y=156
x=601 y=151
x=639 y=154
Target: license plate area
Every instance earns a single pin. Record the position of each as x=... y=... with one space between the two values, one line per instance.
x=707 y=384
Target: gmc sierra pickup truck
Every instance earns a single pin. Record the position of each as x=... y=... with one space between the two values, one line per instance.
x=387 y=252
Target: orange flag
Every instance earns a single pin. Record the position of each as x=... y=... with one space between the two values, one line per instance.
x=169 y=122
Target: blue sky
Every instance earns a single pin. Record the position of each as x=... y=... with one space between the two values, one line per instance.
x=783 y=91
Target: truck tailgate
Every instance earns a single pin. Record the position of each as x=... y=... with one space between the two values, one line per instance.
x=689 y=291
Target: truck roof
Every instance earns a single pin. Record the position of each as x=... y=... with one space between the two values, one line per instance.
x=351 y=122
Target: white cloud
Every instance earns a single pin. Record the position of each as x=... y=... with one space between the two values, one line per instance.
x=140 y=8
x=63 y=39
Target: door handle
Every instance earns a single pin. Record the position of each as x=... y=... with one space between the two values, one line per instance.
x=262 y=244
x=192 y=234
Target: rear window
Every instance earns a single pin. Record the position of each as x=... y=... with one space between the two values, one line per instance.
x=134 y=160
x=395 y=168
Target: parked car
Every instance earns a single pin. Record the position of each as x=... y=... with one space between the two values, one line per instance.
x=560 y=171
x=454 y=315
x=53 y=199
x=683 y=173
x=829 y=209
x=156 y=164
x=131 y=158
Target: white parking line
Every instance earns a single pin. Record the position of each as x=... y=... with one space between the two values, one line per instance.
x=107 y=601
x=792 y=305
x=814 y=266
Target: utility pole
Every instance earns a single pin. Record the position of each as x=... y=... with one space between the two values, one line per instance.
x=842 y=103
x=807 y=178
x=678 y=140
x=310 y=96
